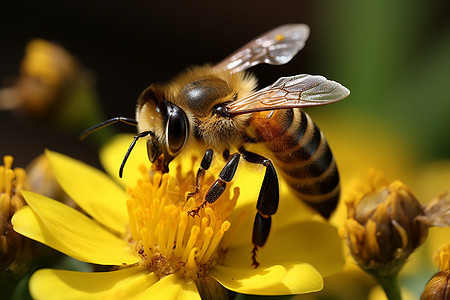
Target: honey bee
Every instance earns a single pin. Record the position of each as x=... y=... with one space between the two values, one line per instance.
x=218 y=109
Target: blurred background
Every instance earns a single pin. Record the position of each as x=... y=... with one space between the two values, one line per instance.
x=394 y=56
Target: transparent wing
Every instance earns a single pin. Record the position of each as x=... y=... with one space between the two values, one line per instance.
x=275 y=47
x=288 y=92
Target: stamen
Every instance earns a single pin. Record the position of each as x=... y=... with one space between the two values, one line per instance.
x=402 y=232
x=209 y=212
x=131 y=219
x=181 y=229
x=11 y=183
x=145 y=242
x=192 y=263
x=171 y=229
x=2 y=179
x=204 y=225
x=5 y=208
x=8 y=160
x=166 y=237
x=161 y=242
x=371 y=235
x=237 y=222
x=208 y=233
x=442 y=257
x=215 y=242
x=9 y=174
x=192 y=239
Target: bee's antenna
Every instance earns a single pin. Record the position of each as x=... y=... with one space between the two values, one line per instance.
x=103 y=124
x=136 y=137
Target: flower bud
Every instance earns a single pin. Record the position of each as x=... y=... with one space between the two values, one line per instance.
x=46 y=72
x=16 y=251
x=382 y=229
x=53 y=88
x=438 y=288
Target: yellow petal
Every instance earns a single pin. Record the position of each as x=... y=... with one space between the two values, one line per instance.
x=316 y=243
x=290 y=211
x=172 y=287
x=69 y=231
x=289 y=278
x=92 y=190
x=51 y=284
x=112 y=154
x=248 y=178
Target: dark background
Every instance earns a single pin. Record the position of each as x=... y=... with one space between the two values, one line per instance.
x=392 y=55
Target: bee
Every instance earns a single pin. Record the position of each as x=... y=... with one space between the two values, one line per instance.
x=217 y=108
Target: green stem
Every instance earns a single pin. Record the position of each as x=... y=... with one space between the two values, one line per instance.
x=390 y=286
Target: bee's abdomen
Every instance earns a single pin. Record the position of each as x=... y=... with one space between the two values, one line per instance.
x=303 y=157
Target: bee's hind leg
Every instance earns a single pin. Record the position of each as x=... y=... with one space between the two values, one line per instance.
x=267 y=203
x=218 y=187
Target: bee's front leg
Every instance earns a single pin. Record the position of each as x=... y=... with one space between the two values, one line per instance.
x=218 y=187
x=267 y=204
x=204 y=165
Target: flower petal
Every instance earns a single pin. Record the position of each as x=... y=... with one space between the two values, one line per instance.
x=69 y=231
x=92 y=190
x=172 y=287
x=308 y=242
x=290 y=211
x=249 y=178
x=58 y=284
x=111 y=157
x=289 y=278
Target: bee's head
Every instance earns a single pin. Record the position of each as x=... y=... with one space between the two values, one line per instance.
x=165 y=123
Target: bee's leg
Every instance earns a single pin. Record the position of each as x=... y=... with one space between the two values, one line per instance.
x=218 y=187
x=226 y=154
x=267 y=203
x=204 y=165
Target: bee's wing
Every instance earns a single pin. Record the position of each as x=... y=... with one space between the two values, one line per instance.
x=275 y=47
x=288 y=92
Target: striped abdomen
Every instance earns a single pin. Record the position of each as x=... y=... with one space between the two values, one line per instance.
x=302 y=156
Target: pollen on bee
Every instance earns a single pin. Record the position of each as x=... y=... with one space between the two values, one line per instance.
x=164 y=235
x=279 y=37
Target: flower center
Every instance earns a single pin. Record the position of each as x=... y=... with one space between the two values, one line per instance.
x=170 y=240
x=16 y=251
x=11 y=182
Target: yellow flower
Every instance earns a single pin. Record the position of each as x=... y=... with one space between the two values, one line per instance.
x=16 y=252
x=53 y=88
x=46 y=69
x=160 y=252
x=382 y=228
x=385 y=224
x=439 y=286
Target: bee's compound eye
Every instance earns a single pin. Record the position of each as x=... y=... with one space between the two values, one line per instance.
x=177 y=130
